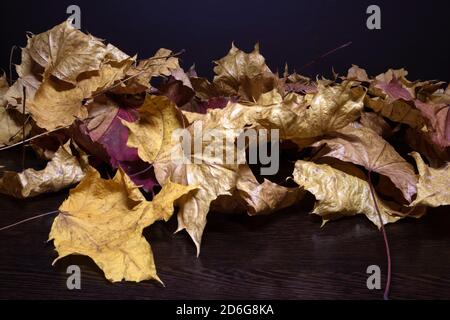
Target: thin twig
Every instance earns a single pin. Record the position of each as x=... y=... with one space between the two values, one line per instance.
x=20 y=130
x=325 y=55
x=23 y=126
x=14 y=47
x=32 y=138
x=29 y=219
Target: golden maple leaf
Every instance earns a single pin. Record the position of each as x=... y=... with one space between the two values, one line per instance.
x=433 y=186
x=65 y=52
x=104 y=219
x=363 y=146
x=152 y=136
x=340 y=194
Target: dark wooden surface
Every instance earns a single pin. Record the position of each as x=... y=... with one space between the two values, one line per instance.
x=283 y=256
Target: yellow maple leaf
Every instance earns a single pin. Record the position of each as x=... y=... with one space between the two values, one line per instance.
x=363 y=146
x=104 y=219
x=65 y=52
x=340 y=194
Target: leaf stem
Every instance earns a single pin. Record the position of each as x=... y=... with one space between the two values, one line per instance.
x=386 y=242
x=11 y=55
x=29 y=219
x=324 y=55
x=31 y=139
x=23 y=126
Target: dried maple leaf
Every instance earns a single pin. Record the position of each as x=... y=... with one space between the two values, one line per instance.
x=394 y=89
x=392 y=95
x=363 y=146
x=357 y=73
x=438 y=117
x=390 y=74
x=377 y=123
x=103 y=132
x=3 y=89
x=61 y=172
x=397 y=110
x=138 y=77
x=297 y=83
x=432 y=189
x=266 y=197
x=340 y=194
x=421 y=142
x=104 y=219
x=158 y=118
x=10 y=124
x=331 y=108
x=75 y=66
x=244 y=74
x=54 y=105
x=30 y=78
x=65 y=52
x=214 y=177
x=152 y=136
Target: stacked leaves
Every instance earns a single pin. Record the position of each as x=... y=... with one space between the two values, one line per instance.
x=373 y=146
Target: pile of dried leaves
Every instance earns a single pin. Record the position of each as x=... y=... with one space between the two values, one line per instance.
x=373 y=146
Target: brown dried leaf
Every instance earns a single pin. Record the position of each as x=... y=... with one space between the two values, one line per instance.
x=244 y=74
x=377 y=123
x=433 y=186
x=61 y=172
x=266 y=197
x=363 y=146
x=161 y=64
x=339 y=194
x=66 y=52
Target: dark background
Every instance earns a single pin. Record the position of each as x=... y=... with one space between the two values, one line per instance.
x=414 y=34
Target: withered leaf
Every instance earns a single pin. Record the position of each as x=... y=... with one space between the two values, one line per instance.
x=152 y=136
x=65 y=52
x=56 y=105
x=438 y=116
x=398 y=111
x=104 y=219
x=30 y=74
x=10 y=120
x=357 y=73
x=61 y=172
x=244 y=74
x=138 y=77
x=158 y=118
x=340 y=194
x=266 y=197
x=104 y=135
x=363 y=146
x=377 y=123
x=433 y=186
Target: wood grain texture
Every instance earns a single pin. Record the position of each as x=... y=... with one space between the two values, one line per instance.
x=283 y=256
